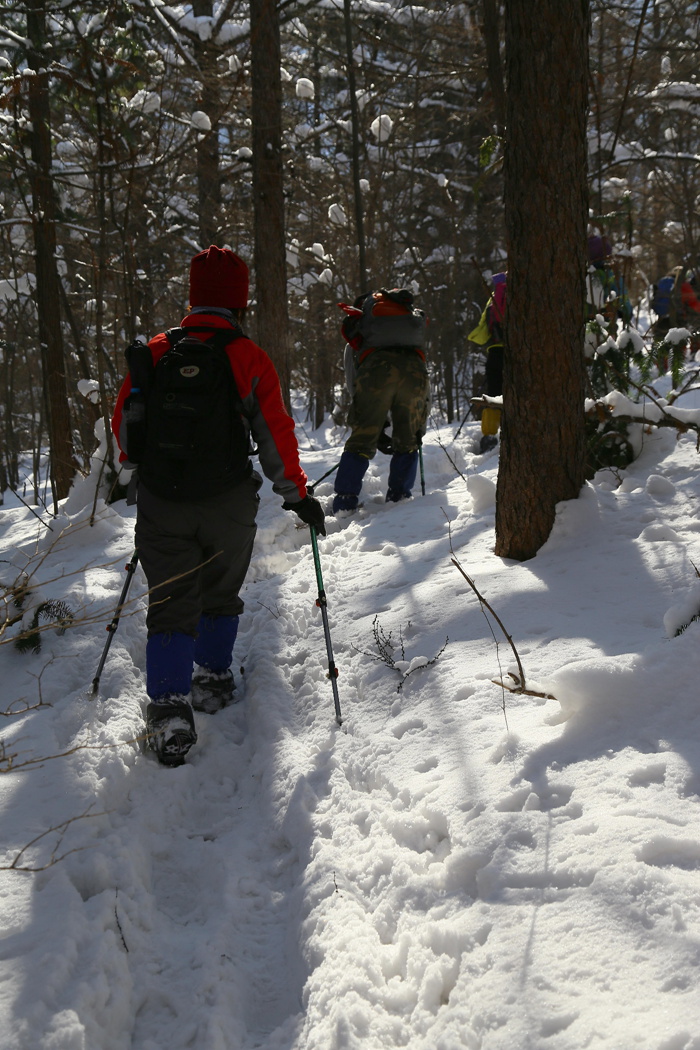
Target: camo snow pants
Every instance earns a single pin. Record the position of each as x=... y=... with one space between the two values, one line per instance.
x=389 y=382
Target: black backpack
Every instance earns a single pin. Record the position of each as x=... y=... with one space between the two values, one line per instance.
x=388 y=320
x=184 y=417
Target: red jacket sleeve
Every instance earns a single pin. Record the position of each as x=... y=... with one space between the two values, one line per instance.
x=688 y=297
x=271 y=425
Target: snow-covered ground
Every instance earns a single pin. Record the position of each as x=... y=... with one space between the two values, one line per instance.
x=452 y=868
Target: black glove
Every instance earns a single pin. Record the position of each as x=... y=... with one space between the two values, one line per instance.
x=311 y=513
x=384 y=441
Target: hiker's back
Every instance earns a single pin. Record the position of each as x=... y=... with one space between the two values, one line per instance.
x=385 y=319
x=196 y=443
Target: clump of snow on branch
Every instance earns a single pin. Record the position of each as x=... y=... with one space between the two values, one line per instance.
x=305 y=88
x=145 y=101
x=381 y=127
x=200 y=121
x=337 y=215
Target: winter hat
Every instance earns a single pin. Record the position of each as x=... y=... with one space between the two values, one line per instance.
x=218 y=278
x=599 y=249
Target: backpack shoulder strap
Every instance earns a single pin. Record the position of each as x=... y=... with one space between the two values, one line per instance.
x=218 y=336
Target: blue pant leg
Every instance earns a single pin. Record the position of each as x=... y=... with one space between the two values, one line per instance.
x=169 y=661
x=215 y=640
x=402 y=475
x=348 y=480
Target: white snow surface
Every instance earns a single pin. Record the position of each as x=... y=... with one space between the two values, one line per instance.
x=454 y=867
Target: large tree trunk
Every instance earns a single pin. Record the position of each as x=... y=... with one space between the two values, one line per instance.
x=62 y=463
x=543 y=435
x=270 y=258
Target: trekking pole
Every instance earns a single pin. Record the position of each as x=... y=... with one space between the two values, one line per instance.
x=322 y=604
x=466 y=417
x=310 y=488
x=419 y=436
x=112 y=626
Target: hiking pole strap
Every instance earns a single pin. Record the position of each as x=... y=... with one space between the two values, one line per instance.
x=310 y=488
x=114 y=623
x=322 y=604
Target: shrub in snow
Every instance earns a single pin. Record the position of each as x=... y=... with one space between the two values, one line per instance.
x=387 y=648
x=609 y=361
x=26 y=607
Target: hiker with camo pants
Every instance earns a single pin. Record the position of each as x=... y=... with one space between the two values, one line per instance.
x=387 y=377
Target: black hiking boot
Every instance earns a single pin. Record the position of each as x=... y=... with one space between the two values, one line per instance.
x=170 y=725
x=211 y=690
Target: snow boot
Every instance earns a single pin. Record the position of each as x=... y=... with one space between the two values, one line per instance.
x=402 y=476
x=212 y=690
x=170 y=728
x=348 y=481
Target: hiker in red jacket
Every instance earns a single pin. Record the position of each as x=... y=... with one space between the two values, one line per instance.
x=197 y=495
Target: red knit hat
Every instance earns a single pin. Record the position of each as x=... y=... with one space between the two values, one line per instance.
x=218 y=278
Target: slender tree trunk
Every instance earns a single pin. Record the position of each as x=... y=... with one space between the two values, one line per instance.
x=208 y=153
x=544 y=447
x=270 y=258
x=62 y=464
x=355 y=119
x=494 y=67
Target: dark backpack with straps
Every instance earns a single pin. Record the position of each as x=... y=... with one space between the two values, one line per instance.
x=663 y=296
x=388 y=320
x=189 y=439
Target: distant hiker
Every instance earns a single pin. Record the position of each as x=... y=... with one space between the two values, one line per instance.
x=489 y=334
x=185 y=414
x=606 y=293
x=675 y=303
x=386 y=376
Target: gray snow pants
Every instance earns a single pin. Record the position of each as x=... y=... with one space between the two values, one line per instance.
x=195 y=555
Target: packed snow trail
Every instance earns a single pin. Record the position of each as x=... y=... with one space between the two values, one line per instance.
x=429 y=875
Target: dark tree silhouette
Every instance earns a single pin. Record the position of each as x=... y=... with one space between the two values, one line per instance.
x=544 y=447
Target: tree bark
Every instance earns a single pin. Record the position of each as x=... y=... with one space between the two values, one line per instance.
x=494 y=68
x=270 y=259
x=543 y=448
x=208 y=153
x=62 y=463
x=355 y=119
